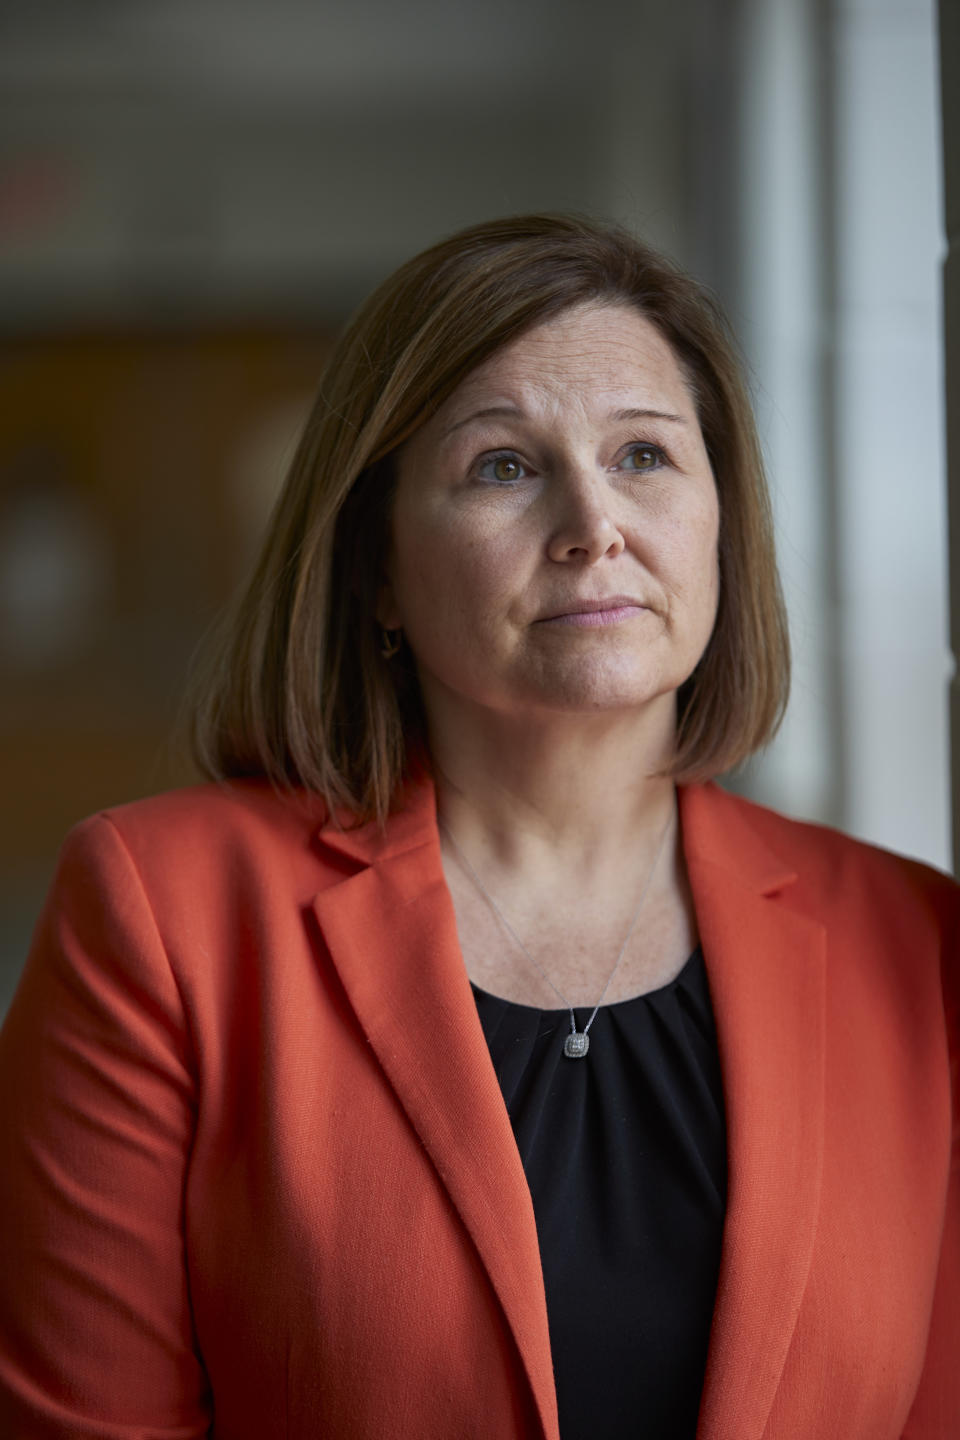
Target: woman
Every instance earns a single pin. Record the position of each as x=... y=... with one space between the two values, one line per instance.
x=465 y=1063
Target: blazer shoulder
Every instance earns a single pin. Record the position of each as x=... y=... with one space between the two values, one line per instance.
x=214 y=806
x=831 y=864
x=243 y=829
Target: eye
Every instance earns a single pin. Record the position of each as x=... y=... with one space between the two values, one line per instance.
x=644 y=457
x=504 y=468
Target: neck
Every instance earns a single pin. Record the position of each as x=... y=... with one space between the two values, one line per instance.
x=570 y=793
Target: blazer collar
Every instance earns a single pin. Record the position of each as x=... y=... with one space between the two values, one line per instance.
x=765 y=964
x=716 y=828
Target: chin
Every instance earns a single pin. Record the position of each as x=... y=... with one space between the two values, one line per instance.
x=585 y=696
x=611 y=683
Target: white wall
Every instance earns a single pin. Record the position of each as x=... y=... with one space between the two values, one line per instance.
x=889 y=426
x=784 y=323
x=842 y=243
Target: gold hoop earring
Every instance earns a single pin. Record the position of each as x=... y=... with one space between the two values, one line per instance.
x=391 y=643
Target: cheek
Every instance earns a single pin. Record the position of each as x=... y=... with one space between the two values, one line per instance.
x=445 y=576
x=694 y=549
x=451 y=555
x=711 y=568
x=707 y=542
x=710 y=575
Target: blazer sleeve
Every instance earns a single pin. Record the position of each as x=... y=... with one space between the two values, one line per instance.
x=98 y=1100
x=935 y=1414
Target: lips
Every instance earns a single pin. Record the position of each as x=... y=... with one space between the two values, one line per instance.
x=593 y=607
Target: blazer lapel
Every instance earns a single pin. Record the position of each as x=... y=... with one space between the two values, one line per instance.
x=766 y=968
x=391 y=932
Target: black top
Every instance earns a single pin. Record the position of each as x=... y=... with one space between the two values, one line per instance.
x=625 y=1154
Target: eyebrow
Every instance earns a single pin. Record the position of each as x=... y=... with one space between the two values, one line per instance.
x=511 y=412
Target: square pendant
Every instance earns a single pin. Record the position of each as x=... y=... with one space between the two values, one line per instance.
x=576 y=1045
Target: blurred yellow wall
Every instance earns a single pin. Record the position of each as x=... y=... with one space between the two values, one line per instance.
x=136 y=471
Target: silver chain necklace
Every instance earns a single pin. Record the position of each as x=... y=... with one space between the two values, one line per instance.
x=577 y=1043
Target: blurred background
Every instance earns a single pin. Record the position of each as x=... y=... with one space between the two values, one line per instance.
x=194 y=195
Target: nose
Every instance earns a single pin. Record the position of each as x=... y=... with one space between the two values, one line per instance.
x=584 y=526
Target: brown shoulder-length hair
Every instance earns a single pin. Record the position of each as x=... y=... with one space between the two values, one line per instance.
x=299 y=690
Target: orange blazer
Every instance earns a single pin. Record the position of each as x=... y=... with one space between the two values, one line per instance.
x=258 y=1180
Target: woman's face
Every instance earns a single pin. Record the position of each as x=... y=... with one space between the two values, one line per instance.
x=554 y=541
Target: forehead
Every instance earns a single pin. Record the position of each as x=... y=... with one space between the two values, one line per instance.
x=607 y=352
